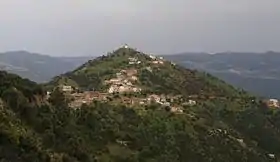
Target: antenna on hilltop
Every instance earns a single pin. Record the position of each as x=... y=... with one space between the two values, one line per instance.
x=125 y=46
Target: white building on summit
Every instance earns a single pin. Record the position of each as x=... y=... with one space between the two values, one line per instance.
x=126 y=46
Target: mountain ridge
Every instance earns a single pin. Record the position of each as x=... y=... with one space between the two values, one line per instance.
x=176 y=114
x=122 y=58
x=264 y=75
x=239 y=69
x=37 y=67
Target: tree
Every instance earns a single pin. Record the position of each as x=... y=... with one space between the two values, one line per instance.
x=58 y=99
x=14 y=98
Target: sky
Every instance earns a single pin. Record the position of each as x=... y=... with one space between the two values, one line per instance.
x=94 y=27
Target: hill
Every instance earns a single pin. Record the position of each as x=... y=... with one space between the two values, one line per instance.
x=143 y=108
x=215 y=115
x=37 y=67
x=148 y=73
x=238 y=69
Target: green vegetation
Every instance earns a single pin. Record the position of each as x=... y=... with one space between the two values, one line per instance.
x=232 y=126
x=91 y=74
x=164 y=79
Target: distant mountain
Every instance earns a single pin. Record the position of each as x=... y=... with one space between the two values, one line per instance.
x=37 y=67
x=258 y=73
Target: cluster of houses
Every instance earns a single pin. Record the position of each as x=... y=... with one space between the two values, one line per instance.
x=156 y=60
x=86 y=98
x=273 y=103
x=123 y=82
x=133 y=61
x=168 y=101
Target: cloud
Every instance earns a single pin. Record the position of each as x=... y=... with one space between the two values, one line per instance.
x=71 y=27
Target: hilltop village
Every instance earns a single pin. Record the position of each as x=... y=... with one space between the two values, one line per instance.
x=122 y=88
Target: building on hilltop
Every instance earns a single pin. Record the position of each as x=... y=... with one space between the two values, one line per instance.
x=152 y=57
x=125 y=46
x=273 y=103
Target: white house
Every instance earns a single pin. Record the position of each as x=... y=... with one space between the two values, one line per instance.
x=129 y=84
x=134 y=78
x=125 y=46
x=192 y=102
x=155 y=62
x=273 y=102
x=48 y=94
x=141 y=102
x=115 y=80
x=67 y=89
x=122 y=89
x=152 y=57
x=154 y=97
x=112 y=89
x=132 y=59
x=272 y=156
x=136 y=89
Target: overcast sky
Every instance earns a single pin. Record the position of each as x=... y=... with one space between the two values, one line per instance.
x=92 y=27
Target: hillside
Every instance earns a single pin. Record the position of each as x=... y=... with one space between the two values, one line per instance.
x=137 y=108
x=206 y=103
x=146 y=72
x=238 y=69
x=18 y=99
x=37 y=67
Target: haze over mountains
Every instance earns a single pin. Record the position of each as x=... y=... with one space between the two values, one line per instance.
x=258 y=73
x=37 y=67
